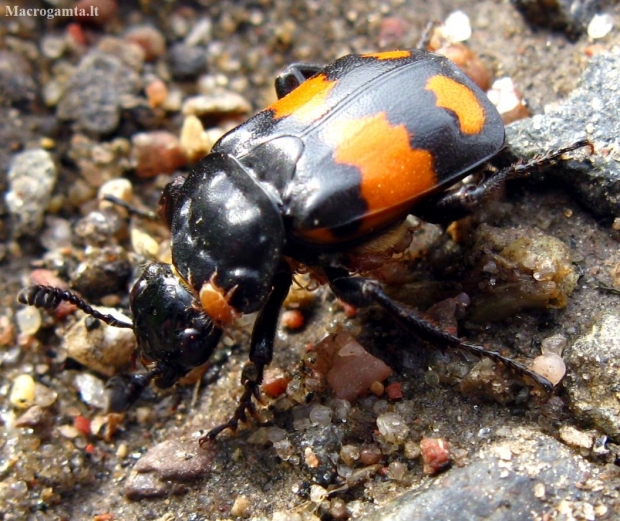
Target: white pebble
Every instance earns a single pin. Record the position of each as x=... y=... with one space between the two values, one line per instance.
x=317 y=494
x=392 y=426
x=321 y=415
x=457 y=27
x=600 y=26
x=28 y=320
x=91 y=389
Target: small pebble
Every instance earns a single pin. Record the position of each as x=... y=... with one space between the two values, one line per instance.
x=22 y=391
x=508 y=100
x=396 y=471
x=392 y=427
x=457 y=27
x=129 y=53
x=53 y=46
x=35 y=417
x=31 y=177
x=576 y=438
x=156 y=93
x=186 y=62
x=220 y=103
x=554 y=344
x=122 y=451
x=539 y=490
x=68 y=431
x=377 y=388
x=150 y=39
x=96 y=91
x=240 y=507
x=194 y=140
x=7 y=331
x=338 y=508
x=317 y=494
x=435 y=454
x=370 y=454
x=157 y=152
x=91 y=389
x=120 y=188
x=292 y=319
x=311 y=458
x=82 y=424
x=341 y=409
x=286 y=516
x=275 y=382
x=43 y=395
x=28 y=320
x=144 y=244
x=600 y=26
x=549 y=365
x=349 y=454
x=104 y=349
x=321 y=415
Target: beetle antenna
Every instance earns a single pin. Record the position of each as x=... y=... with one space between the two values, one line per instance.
x=48 y=297
x=131 y=209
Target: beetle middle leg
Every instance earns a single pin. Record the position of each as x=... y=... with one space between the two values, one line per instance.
x=261 y=352
x=362 y=292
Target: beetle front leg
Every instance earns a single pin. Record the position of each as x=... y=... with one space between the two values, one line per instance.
x=261 y=352
x=362 y=292
x=452 y=206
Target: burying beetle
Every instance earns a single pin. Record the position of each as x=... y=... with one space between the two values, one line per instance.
x=343 y=156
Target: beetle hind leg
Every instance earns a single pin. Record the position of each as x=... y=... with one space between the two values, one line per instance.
x=452 y=206
x=361 y=292
x=293 y=76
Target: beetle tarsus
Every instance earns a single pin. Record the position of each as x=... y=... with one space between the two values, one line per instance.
x=245 y=405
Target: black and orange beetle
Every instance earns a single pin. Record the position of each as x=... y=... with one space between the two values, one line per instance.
x=343 y=156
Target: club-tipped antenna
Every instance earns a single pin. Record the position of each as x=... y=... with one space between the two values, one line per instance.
x=49 y=297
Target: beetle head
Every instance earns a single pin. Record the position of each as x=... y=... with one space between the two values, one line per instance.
x=171 y=329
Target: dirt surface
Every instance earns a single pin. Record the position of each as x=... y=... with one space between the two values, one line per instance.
x=56 y=464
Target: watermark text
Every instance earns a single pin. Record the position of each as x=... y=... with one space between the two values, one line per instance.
x=52 y=12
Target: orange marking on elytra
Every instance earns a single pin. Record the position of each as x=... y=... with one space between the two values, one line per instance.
x=393 y=174
x=306 y=103
x=460 y=99
x=387 y=55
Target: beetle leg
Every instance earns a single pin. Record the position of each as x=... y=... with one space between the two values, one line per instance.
x=125 y=389
x=261 y=351
x=426 y=36
x=362 y=292
x=293 y=76
x=456 y=205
